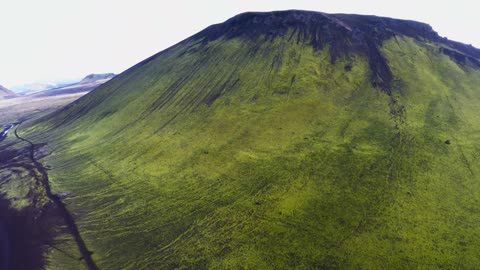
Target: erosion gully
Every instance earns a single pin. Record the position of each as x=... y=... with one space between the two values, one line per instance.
x=42 y=178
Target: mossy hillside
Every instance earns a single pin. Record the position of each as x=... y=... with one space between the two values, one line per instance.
x=264 y=155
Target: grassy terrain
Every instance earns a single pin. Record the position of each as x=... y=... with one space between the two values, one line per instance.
x=245 y=154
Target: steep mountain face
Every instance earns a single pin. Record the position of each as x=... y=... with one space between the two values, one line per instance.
x=282 y=140
x=5 y=93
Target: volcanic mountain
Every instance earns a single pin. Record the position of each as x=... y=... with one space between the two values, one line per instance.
x=5 y=93
x=279 y=140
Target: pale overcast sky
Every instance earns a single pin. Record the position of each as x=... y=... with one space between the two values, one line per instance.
x=64 y=39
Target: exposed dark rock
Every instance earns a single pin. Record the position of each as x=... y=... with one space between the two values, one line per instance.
x=345 y=34
x=460 y=58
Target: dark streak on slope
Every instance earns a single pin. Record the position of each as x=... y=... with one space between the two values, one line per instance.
x=345 y=35
x=69 y=220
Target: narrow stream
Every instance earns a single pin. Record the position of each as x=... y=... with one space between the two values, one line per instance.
x=68 y=217
x=4 y=133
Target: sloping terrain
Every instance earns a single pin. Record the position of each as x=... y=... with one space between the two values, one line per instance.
x=5 y=93
x=87 y=84
x=284 y=140
x=29 y=88
x=23 y=107
x=97 y=78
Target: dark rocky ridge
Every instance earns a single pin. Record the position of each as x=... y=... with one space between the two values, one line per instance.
x=345 y=34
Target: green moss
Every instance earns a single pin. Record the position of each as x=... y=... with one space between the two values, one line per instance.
x=239 y=154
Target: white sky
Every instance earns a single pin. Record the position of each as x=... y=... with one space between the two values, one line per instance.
x=42 y=40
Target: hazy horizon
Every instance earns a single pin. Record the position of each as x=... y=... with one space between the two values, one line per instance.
x=54 y=40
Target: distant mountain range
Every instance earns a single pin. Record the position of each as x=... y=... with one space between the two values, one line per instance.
x=5 y=93
x=14 y=106
x=36 y=87
x=26 y=89
x=87 y=84
x=97 y=78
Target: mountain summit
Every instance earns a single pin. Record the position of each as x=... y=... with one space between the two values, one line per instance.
x=344 y=34
x=279 y=140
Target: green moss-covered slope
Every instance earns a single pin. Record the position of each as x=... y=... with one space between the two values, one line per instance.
x=295 y=146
